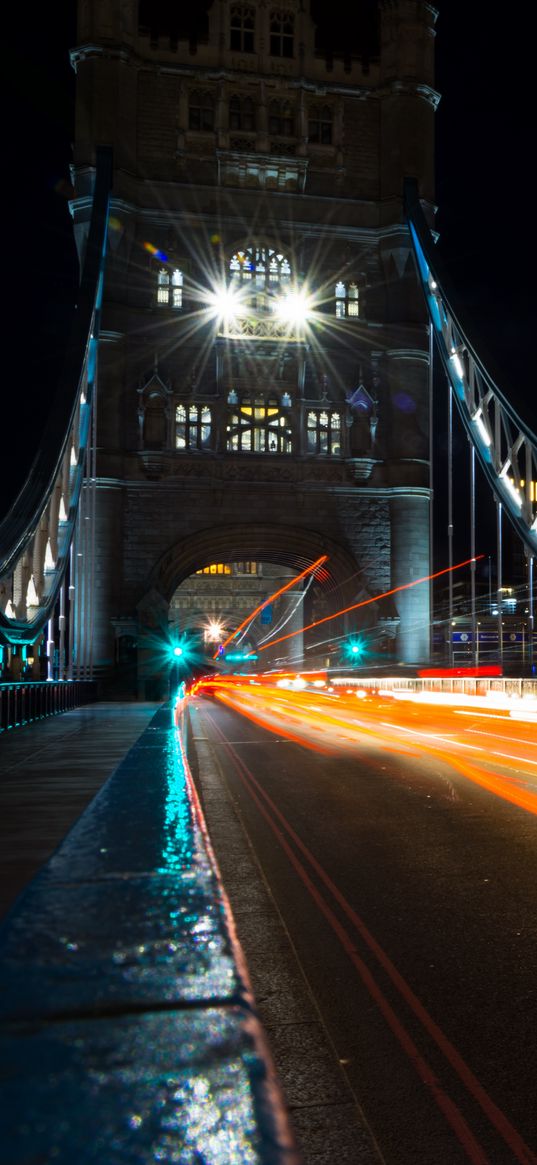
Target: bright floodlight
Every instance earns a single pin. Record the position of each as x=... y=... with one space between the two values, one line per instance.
x=224 y=302
x=178 y=651
x=214 y=632
x=294 y=308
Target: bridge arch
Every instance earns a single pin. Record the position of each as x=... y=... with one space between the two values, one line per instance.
x=288 y=546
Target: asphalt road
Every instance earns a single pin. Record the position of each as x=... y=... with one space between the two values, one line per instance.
x=409 y=893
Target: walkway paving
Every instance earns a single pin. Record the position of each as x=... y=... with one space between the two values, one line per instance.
x=128 y=1030
x=49 y=772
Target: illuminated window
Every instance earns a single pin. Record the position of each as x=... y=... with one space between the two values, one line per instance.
x=324 y=432
x=281 y=119
x=216 y=568
x=320 y=125
x=201 y=111
x=262 y=268
x=242 y=27
x=259 y=425
x=281 y=33
x=241 y=114
x=347 y=298
x=192 y=426
x=170 y=288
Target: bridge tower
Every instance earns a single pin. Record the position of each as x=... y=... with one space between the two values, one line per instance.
x=264 y=357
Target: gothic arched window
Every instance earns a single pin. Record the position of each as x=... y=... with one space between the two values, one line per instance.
x=347 y=299
x=192 y=426
x=242 y=28
x=282 y=28
x=201 y=110
x=261 y=267
x=259 y=424
x=320 y=125
x=323 y=429
x=170 y=288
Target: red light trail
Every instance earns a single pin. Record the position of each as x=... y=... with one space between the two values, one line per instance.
x=309 y=569
x=373 y=599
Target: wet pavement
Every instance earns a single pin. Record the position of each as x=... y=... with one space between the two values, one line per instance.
x=49 y=772
x=128 y=1031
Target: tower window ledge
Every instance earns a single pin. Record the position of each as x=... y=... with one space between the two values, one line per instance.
x=324 y=148
x=263 y=171
x=362 y=467
x=283 y=147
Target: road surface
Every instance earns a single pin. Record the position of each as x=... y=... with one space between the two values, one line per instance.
x=399 y=840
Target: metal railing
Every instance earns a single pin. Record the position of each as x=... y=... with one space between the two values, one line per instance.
x=22 y=702
x=505 y=446
x=37 y=533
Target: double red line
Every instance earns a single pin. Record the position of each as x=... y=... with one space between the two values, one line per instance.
x=285 y=833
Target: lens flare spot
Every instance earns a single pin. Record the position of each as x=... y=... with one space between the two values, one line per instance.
x=404 y=402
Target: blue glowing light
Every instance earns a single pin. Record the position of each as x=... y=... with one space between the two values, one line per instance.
x=240 y=656
x=354 y=649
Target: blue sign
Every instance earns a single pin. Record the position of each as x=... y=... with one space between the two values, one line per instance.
x=266 y=614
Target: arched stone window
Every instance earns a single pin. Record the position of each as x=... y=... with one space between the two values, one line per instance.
x=259 y=425
x=170 y=288
x=347 y=300
x=320 y=125
x=242 y=28
x=282 y=31
x=201 y=110
x=241 y=114
x=260 y=278
x=323 y=432
x=261 y=267
x=281 y=118
x=192 y=426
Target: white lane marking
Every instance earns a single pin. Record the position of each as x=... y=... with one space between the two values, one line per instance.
x=512 y=756
x=462 y=744
x=485 y=715
x=433 y=736
x=496 y=736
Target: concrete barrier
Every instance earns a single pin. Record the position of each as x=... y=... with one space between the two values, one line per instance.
x=128 y=1028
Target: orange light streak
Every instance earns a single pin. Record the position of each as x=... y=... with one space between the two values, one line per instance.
x=304 y=717
x=373 y=599
x=287 y=587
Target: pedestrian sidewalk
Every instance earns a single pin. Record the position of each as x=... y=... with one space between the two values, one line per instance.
x=49 y=772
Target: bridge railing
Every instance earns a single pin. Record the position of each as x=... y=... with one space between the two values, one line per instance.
x=20 y=703
x=505 y=445
x=36 y=535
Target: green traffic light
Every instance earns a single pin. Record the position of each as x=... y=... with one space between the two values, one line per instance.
x=354 y=649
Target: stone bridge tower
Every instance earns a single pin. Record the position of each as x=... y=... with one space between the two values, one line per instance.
x=264 y=365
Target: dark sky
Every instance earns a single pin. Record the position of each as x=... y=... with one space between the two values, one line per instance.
x=484 y=137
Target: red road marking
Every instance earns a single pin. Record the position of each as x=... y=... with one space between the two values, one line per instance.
x=512 y=1138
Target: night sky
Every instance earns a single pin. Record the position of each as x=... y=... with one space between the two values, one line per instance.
x=484 y=131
